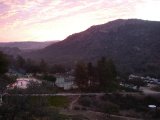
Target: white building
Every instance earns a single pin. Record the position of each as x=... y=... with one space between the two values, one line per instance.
x=23 y=83
x=65 y=82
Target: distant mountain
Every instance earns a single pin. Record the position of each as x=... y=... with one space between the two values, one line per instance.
x=11 y=51
x=27 y=45
x=133 y=44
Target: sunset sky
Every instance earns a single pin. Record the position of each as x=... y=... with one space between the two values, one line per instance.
x=42 y=20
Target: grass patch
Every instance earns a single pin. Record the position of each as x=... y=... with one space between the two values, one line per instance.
x=58 y=101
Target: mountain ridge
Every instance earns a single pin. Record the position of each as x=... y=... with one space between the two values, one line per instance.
x=133 y=44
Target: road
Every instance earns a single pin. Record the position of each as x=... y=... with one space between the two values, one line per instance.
x=148 y=91
x=145 y=90
x=58 y=94
x=74 y=102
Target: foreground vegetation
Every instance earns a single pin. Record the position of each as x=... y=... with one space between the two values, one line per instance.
x=122 y=105
x=99 y=77
x=30 y=108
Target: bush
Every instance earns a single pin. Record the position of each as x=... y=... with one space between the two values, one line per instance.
x=108 y=107
x=83 y=108
x=86 y=101
x=58 y=101
x=76 y=108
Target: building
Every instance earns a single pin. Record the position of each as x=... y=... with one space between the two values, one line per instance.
x=23 y=83
x=65 y=82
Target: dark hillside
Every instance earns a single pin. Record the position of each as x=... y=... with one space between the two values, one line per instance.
x=133 y=44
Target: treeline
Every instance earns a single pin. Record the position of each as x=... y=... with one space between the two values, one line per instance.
x=98 y=77
x=4 y=63
x=29 y=66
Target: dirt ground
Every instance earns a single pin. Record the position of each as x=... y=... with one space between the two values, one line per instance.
x=88 y=114
x=91 y=115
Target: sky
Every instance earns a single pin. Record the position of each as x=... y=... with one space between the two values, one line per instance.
x=45 y=20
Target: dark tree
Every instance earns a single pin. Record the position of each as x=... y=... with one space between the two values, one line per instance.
x=102 y=73
x=43 y=67
x=90 y=69
x=4 y=63
x=91 y=74
x=57 y=68
x=106 y=74
x=81 y=76
x=50 y=78
x=31 y=66
x=20 y=62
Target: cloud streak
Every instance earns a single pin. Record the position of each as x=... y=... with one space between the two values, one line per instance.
x=56 y=19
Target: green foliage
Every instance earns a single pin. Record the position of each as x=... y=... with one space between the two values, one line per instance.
x=106 y=74
x=28 y=108
x=108 y=107
x=101 y=77
x=128 y=102
x=43 y=67
x=54 y=101
x=31 y=66
x=4 y=81
x=81 y=76
x=88 y=101
x=58 y=101
x=20 y=62
x=49 y=78
x=57 y=68
x=4 y=63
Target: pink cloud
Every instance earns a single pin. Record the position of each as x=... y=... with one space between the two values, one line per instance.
x=42 y=16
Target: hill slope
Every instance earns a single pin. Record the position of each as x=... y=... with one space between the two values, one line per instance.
x=133 y=44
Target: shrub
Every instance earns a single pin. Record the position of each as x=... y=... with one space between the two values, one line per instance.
x=108 y=107
x=85 y=101
x=76 y=108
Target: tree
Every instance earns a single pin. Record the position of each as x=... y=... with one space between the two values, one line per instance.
x=57 y=68
x=102 y=73
x=90 y=69
x=29 y=108
x=20 y=63
x=43 y=67
x=81 y=76
x=50 y=78
x=106 y=74
x=99 y=77
x=31 y=66
x=4 y=63
x=91 y=74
